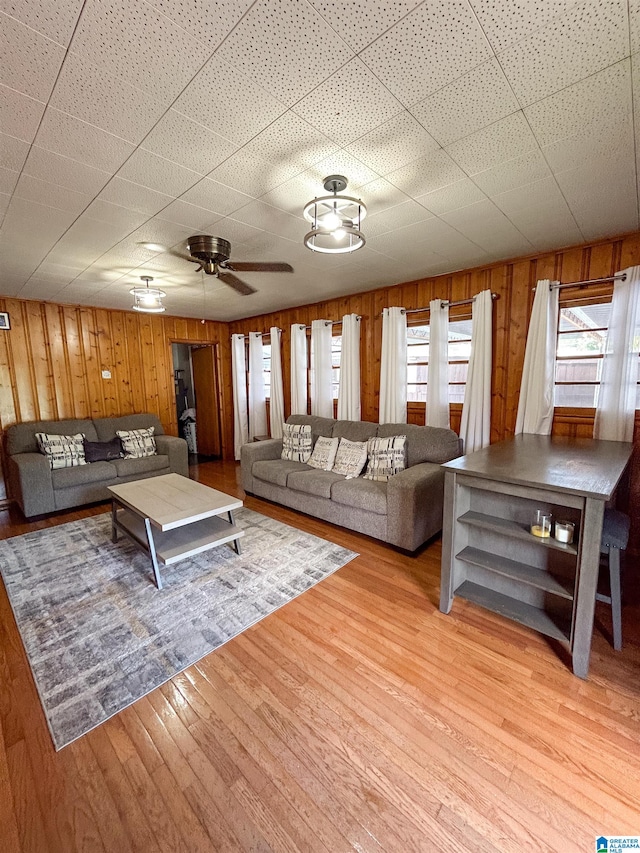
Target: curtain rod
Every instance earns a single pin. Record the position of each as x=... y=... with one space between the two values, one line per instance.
x=442 y=304
x=619 y=277
x=263 y=334
x=327 y=322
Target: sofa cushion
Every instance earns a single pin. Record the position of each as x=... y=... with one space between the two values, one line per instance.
x=355 y=430
x=62 y=451
x=102 y=451
x=21 y=438
x=424 y=443
x=324 y=453
x=129 y=467
x=313 y=482
x=276 y=471
x=96 y=472
x=350 y=458
x=319 y=426
x=387 y=456
x=296 y=442
x=106 y=428
x=137 y=443
x=369 y=495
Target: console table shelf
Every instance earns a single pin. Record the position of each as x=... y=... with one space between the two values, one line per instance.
x=521 y=572
x=516 y=529
x=489 y=555
x=549 y=624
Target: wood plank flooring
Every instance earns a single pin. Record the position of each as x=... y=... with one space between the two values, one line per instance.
x=357 y=717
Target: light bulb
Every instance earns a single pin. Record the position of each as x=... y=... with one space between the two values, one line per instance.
x=149 y=299
x=339 y=233
x=331 y=221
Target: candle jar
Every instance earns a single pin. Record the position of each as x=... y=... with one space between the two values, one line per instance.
x=564 y=531
x=541 y=524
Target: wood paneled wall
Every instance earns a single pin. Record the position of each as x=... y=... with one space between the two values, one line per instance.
x=52 y=357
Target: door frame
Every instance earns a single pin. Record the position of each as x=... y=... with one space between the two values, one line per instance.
x=217 y=363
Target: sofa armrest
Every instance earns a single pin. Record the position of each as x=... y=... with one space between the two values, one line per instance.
x=415 y=499
x=176 y=449
x=255 y=451
x=30 y=483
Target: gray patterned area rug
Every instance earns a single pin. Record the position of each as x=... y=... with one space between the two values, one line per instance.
x=99 y=634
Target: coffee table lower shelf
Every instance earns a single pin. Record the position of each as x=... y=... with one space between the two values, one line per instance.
x=170 y=546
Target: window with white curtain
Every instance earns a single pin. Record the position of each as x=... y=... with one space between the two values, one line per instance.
x=582 y=336
x=459 y=351
x=266 y=360
x=336 y=355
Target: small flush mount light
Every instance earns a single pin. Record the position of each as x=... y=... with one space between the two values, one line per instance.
x=335 y=220
x=147 y=298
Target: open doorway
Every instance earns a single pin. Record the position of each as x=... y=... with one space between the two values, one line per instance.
x=198 y=399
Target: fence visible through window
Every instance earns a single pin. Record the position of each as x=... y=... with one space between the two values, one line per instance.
x=459 y=351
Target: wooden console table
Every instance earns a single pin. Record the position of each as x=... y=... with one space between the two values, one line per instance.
x=489 y=555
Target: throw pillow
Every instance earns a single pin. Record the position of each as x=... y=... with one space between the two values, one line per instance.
x=296 y=442
x=324 y=453
x=63 y=451
x=137 y=443
x=386 y=457
x=102 y=451
x=350 y=458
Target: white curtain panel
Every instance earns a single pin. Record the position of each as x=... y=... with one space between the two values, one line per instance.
x=239 y=377
x=393 y=367
x=276 y=400
x=437 y=409
x=299 y=368
x=349 y=407
x=616 y=407
x=535 y=406
x=257 y=404
x=475 y=426
x=321 y=388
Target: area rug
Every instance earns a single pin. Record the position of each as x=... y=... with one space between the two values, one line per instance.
x=99 y=634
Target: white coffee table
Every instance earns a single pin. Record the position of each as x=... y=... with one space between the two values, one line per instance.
x=172 y=517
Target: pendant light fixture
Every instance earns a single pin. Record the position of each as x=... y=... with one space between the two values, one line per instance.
x=335 y=220
x=147 y=299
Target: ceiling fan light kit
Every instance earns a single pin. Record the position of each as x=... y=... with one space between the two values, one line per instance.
x=336 y=220
x=148 y=299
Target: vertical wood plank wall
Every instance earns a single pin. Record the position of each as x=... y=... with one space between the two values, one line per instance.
x=52 y=357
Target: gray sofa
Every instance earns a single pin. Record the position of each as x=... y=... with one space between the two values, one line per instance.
x=38 y=489
x=405 y=511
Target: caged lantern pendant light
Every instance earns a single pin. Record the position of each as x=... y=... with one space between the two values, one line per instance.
x=147 y=299
x=336 y=220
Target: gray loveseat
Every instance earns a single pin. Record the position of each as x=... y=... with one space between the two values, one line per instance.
x=405 y=511
x=38 y=489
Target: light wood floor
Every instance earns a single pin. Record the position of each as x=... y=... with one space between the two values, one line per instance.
x=357 y=717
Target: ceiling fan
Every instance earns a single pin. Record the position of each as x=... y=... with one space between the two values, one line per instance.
x=212 y=255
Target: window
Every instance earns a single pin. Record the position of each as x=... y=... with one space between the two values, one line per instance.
x=266 y=369
x=336 y=355
x=582 y=335
x=459 y=351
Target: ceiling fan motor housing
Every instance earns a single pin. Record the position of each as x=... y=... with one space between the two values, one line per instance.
x=209 y=250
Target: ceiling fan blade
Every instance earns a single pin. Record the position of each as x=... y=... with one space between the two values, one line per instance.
x=237 y=284
x=257 y=266
x=182 y=256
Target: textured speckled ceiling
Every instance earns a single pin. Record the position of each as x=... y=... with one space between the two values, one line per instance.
x=474 y=130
